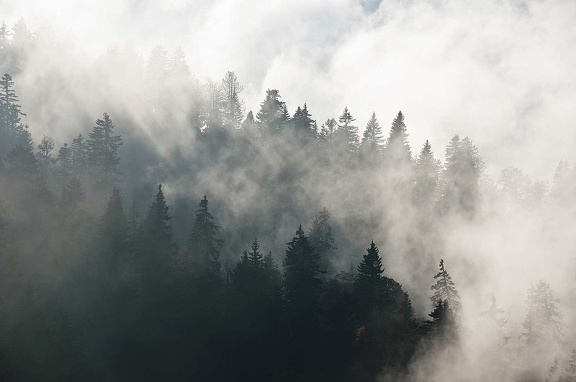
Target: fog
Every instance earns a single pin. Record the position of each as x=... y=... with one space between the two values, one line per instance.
x=498 y=72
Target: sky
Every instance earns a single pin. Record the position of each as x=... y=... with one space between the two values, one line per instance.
x=498 y=71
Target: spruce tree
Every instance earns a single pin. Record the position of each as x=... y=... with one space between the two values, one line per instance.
x=113 y=236
x=543 y=323
x=233 y=106
x=64 y=162
x=322 y=240
x=157 y=250
x=79 y=156
x=12 y=130
x=103 y=151
x=72 y=195
x=426 y=172
x=272 y=114
x=372 y=141
x=368 y=284
x=44 y=155
x=461 y=190
x=445 y=290
x=346 y=136
x=301 y=290
x=203 y=244
x=397 y=152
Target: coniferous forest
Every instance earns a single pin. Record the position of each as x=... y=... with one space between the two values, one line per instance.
x=201 y=241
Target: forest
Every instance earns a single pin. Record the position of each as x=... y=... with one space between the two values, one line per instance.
x=200 y=241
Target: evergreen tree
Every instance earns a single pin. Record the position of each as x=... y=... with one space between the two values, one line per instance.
x=461 y=190
x=203 y=244
x=213 y=106
x=4 y=38
x=445 y=290
x=156 y=79
x=397 y=152
x=72 y=195
x=570 y=372
x=303 y=123
x=543 y=321
x=113 y=236
x=372 y=141
x=22 y=162
x=322 y=240
x=272 y=115
x=79 y=156
x=158 y=249
x=346 y=136
x=426 y=171
x=368 y=284
x=255 y=258
x=44 y=155
x=64 y=162
x=103 y=151
x=12 y=131
x=233 y=106
x=301 y=290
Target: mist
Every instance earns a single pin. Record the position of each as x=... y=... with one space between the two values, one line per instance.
x=207 y=98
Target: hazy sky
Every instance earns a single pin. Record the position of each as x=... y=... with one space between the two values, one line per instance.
x=501 y=72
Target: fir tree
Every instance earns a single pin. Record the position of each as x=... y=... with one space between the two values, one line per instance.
x=445 y=290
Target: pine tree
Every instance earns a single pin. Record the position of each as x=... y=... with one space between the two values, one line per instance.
x=445 y=290
x=232 y=105
x=397 y=152
x=203 y=244
x=554 y=373
x=103 y=151
x=372 y=142
x=322 y=240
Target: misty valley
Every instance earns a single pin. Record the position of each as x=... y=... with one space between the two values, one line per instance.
x=168 y=233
